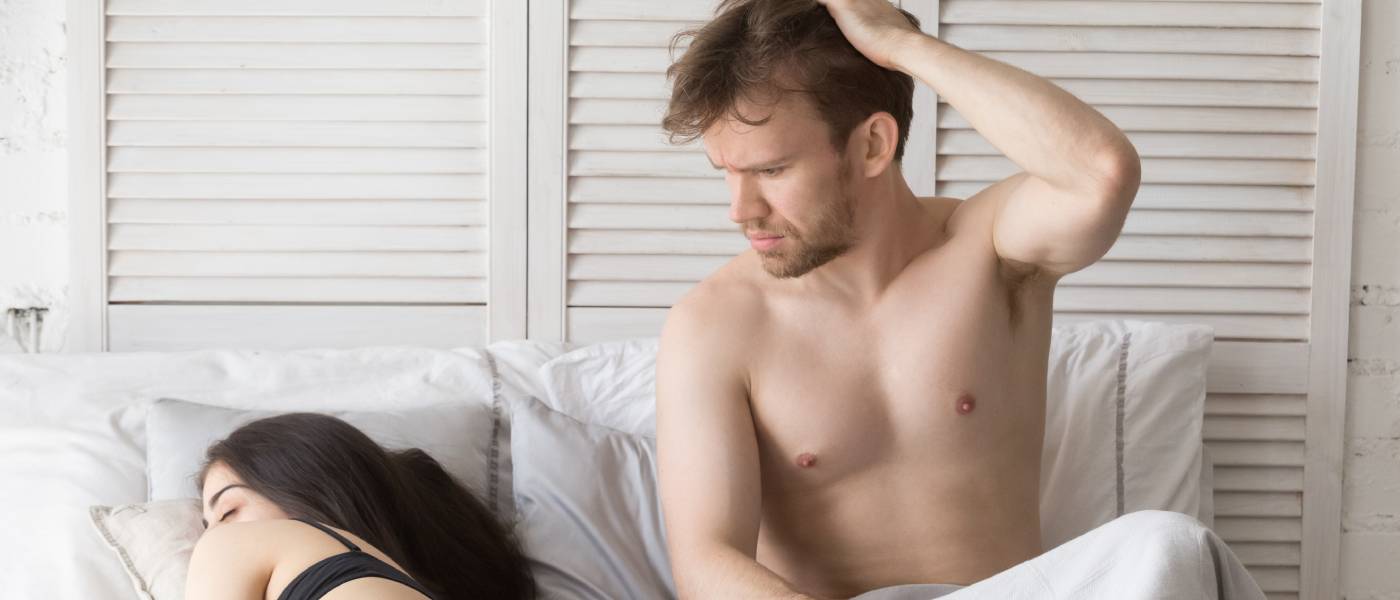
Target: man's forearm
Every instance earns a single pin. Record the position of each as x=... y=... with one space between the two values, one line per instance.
x=1042 y=128
x=727 y=573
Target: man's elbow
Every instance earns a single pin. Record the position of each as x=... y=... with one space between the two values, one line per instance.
x=690 y=570
x=700 y=568
x=1120 y=175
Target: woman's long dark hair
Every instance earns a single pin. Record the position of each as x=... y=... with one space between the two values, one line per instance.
x=321 y=468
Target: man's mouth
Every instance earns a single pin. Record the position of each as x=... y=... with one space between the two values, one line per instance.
x=764 y=243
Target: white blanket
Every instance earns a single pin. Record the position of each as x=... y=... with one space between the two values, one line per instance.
x=1141 y=555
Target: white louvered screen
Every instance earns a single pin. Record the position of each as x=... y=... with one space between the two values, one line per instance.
x=645 y=219
x=1221 y=100
x=265 y=155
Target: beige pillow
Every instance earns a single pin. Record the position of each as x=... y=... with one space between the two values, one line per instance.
x=154 y=542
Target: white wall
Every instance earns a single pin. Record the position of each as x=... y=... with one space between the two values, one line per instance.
x=34 y=254
x=33 y=164
x=1371 y=499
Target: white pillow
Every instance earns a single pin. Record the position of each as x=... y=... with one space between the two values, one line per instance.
x=178 y=433
x=73 y=434
x=154 y=542
x=1163 y=382
x=1123 y=423
x=610 y=383
x=590 y=514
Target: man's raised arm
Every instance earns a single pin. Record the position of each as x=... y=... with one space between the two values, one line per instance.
x=1081 y=173
x=707 y=456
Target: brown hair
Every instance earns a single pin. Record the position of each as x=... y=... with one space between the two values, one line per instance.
x=319 y=467
x=763 y=49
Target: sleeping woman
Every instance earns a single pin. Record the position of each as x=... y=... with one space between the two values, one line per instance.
x=303 y=506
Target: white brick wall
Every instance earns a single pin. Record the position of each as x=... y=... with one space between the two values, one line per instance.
x=33 y=164
x=1371 y=495
x=34 y=254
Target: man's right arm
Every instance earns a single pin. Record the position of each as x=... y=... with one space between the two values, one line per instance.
x=707 y=455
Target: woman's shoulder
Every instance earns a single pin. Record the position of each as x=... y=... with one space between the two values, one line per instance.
x=235 y=560
x=250 y=559
x=261 y=544
x=247 y=535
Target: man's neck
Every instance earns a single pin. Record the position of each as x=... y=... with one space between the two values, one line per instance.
x=893 y=226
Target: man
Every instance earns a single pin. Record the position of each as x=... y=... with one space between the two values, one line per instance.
x=858 y=402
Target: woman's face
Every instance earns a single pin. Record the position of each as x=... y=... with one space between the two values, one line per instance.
x=227 y=500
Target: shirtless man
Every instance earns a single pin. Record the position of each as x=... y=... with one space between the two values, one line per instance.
x=859 y=402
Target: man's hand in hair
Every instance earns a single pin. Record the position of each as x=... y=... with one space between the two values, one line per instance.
x=875 y=27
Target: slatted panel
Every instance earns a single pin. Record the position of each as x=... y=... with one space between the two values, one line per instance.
x=645 y=219
x=1157 y=70
x=146 y=327
x=1160 y=71
x=1224 y=215
x=297 y=152
x=1221 y=101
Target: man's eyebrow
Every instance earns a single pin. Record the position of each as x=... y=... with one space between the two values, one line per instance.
x=758 y=167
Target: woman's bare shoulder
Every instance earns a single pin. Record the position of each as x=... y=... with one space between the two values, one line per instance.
x=234 y=561
x=253 y=560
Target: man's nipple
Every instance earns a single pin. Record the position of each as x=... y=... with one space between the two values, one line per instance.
x=806 y=460
x=966 y=403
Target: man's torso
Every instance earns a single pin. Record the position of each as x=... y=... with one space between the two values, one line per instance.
x=900 y=443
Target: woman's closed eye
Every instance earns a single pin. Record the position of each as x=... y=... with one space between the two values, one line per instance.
x=221 y=518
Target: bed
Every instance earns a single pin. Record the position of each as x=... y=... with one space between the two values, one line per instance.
x=88 y=430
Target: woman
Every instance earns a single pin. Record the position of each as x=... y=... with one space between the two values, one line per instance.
x=303 y=506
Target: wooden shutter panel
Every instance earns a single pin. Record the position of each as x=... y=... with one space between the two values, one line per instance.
x=1221 y=102
x=643 y=219
x=268 y=157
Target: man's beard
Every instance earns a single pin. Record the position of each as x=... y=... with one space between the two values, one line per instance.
x=832 y=234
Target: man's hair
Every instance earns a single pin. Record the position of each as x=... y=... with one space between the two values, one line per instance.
x=760 y=50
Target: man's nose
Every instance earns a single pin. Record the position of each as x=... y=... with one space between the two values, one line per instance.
x=746 y=204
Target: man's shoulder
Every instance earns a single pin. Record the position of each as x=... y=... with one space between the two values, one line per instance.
x=731 y=286
x=706 y=341
x=726 y=301
x=963 y=214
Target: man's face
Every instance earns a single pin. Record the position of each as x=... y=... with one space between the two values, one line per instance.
x=785 y=179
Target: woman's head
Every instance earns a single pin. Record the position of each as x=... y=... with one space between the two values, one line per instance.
x=302 y=465
x=321 y=468
x=227 y=499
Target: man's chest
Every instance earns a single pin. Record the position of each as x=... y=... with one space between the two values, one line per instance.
x=945 y=372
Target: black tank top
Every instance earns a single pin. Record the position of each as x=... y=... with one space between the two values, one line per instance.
x=336 y=569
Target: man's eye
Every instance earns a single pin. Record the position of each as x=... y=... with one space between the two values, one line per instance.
x=773 y=171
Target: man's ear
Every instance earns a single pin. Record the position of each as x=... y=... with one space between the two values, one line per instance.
x=880 y=136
